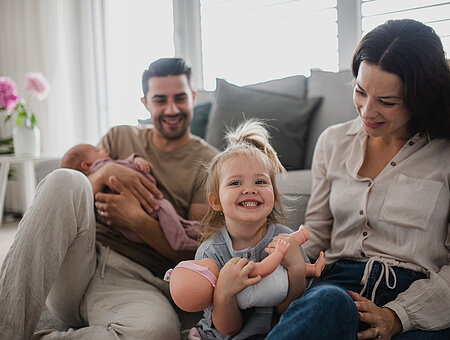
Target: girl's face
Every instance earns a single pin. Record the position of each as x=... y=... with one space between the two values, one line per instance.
x=378 y=98
x=246 y=194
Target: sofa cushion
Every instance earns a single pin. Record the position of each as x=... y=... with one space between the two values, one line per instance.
x=287 y=116
x=295 y=189
x=337 y=105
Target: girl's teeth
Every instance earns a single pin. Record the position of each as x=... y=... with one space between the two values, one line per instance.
x=249 y=204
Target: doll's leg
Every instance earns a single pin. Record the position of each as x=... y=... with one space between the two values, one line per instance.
x=314 y=270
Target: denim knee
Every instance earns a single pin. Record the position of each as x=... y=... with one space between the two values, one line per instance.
x=323 y=312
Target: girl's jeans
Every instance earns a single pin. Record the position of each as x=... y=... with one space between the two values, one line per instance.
x=326 y=311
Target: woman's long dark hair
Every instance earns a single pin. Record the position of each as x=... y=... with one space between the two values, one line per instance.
x=414 y=52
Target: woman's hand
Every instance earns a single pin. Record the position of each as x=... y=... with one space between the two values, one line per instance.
x=384 y=323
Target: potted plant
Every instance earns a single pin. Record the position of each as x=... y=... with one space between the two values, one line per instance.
x=26 y=134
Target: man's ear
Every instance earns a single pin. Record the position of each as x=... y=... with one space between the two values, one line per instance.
x=214 y=202
x=144 y=101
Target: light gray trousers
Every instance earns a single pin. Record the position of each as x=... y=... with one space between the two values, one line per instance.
x=54 y=257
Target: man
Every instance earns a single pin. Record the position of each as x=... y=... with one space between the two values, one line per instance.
x=110 y=288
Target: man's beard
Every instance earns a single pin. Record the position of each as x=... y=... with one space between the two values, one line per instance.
x=175 y=134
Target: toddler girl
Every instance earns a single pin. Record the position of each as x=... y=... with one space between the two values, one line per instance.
x=239 y=229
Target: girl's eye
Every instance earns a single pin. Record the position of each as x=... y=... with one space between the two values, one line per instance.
x=234 y=183
x=261 y=181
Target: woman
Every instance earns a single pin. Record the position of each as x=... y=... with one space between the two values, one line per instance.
x=380 y=201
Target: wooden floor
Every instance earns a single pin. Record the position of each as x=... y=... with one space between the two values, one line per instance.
x=7 y=231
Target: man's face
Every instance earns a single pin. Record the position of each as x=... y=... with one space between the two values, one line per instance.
x=170 y=101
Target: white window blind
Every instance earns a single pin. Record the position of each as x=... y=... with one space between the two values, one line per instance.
x=433 y=13
x=248 y=41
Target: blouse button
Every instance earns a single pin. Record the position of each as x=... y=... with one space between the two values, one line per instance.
x=393 y=163
x=370 y=184
x=411 y=143
x=365 y=233
x=363 y=254
x=361 y=212
x=249 y=254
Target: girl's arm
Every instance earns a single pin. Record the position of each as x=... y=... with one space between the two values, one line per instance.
x=233 y=278
x=294 y=263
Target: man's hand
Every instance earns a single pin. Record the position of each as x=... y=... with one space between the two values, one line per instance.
x=137 y=184
x=121 y=209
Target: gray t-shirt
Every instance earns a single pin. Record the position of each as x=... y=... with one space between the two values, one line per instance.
x=257 y=321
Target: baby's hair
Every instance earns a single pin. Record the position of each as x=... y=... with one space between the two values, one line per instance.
x=251 y=140
x=74 y=156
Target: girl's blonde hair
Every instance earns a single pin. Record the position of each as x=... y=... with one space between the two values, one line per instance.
x=250 y=139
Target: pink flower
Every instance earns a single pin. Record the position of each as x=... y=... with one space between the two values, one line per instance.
x=8 y=94
x=36 y=83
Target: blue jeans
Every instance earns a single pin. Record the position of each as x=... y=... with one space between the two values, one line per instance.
x=326 y=311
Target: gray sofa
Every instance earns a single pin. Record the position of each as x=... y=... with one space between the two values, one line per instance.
x=292 y=107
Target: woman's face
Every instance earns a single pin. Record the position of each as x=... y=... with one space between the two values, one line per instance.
x=378 y=98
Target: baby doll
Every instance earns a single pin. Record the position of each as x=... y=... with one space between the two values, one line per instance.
x=192 y=282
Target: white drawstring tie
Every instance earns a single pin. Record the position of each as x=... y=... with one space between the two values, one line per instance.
x=386 y=268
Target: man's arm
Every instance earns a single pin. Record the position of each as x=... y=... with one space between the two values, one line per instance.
x=124 y=210
x=139 y=186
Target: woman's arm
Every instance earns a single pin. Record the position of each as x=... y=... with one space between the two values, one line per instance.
x=318 y=218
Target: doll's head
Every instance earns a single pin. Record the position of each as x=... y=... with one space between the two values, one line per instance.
x=192 y=283
x=249 y=142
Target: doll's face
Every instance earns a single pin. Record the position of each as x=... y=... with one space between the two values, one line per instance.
x=246 y=194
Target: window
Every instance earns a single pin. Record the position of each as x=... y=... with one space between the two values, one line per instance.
x=248 y=41
x=432 y=13
x=137 y=33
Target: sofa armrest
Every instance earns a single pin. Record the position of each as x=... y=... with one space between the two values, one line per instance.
x=295 y=189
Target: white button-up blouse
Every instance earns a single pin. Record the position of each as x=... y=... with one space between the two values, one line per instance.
x=400 y=218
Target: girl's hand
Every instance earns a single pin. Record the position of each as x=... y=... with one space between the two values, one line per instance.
x=384 y=323
x=234 y=277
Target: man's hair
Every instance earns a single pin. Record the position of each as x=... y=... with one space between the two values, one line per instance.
x=165 y=67
x=413 y=52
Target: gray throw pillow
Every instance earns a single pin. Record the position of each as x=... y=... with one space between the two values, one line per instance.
x=288 y=119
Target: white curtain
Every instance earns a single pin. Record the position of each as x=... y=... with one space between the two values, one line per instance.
x=63 y=39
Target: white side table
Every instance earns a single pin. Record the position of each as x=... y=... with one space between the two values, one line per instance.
x=29 y=186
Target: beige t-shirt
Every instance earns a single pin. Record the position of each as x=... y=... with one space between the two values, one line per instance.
x=178 y=175
x=400 y=218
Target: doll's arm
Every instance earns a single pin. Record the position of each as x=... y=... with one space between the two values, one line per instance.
x=271 y=262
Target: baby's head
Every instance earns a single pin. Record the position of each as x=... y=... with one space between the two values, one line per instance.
x=81 y=156
x=248 y=150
